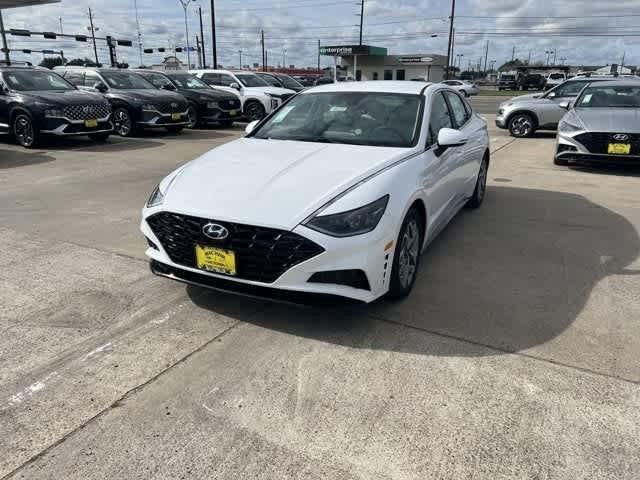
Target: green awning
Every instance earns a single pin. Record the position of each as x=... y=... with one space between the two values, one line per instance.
x=349 y=50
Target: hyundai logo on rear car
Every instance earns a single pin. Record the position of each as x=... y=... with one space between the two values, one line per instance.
x=174 y=105
x=215 y=231
x=621 y=137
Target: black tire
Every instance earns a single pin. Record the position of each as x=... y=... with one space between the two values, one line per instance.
x=401 y=281
x=226 y=123
x=522 y=125
x=24 y=131
x=481 y=185
x=253 y=110
x=465 y=94
x=174 y=128
x=123 y=123
x=560 y=161
x=192 y=114
x=99 y=137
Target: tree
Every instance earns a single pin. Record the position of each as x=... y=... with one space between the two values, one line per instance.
x=83 y=62
x=50 y=62
x=511 y=64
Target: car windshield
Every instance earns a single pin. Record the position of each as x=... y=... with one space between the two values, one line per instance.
x=251 y=80
x=556 y=76
x=28 y=80
x=126 y=80
x=359 y=118
x=289 y=82
x=508 y=77
x=189 y=81
x=567 y=89
x=270 y=80
x=610 y=97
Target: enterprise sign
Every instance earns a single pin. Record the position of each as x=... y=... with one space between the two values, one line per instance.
x=348 y=50
x=415 y=59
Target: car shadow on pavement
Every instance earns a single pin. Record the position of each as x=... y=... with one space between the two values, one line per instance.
x=605 y=169
x=512 y=275
x=17 y=158
x=188 y=134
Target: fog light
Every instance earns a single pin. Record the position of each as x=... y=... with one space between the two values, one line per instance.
x=350 y=278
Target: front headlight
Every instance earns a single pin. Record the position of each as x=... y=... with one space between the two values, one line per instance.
x=274 y=104
x=354 y=222
x=566 y=126
x=53 y=113
x=149 y=107
x=156 y=198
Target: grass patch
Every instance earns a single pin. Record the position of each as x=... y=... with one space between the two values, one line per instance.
x=504 y=93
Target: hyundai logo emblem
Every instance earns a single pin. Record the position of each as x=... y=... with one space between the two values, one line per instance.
x=174 y=105
x=621 y=137
x=215 y=231
x=87 y=109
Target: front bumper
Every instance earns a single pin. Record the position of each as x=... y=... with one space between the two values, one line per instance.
x=362 y=252
x=501 y=121
x=571 y=150
x=64 y=127
x=154 y=119
x=211 y=115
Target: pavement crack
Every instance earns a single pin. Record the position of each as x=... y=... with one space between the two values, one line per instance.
x=503 y=146
x=118 y=402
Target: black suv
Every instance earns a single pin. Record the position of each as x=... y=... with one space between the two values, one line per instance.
x=36 y=102
x=206 y=104
x=136 y=102
x=281 y=80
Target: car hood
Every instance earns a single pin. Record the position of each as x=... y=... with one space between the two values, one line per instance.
x=615 y=120
x=271 y=90
x=211 y=94
x=66 y=97
x=148 y=95
x=272 y=183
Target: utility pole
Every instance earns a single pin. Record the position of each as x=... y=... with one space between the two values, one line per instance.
x=199 y=52
x=513 y=54
x=93 y=35
x=135 y=6
x=61 y=31
x=4 y=40
x=240 y=52
x=529 y=59
x=318 y=54
x=486 y=56
x=213 y=34
x=204 y=59
x=185 y=4
x=264 y=66
x=112 y=51
x=284 y=57
x=266 y=59
x=450 y=48
x=624 y=54
x=361 y=18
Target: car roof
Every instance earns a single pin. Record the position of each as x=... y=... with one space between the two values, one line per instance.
x=620 y=83
x=387 y=86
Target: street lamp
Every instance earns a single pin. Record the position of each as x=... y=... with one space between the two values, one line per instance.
x=549 y=53
x=185 y=4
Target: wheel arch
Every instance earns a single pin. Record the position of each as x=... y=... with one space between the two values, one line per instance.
x=15 y=110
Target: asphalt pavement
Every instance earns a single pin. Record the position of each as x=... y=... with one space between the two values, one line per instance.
x=487 y=104
x=516 y=356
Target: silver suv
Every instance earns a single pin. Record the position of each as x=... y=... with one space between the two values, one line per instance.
x=525 y=114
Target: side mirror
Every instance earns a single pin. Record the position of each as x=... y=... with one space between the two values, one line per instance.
x=249 y=128
x=234 y=85
x=551 y=94
x=448 y=137
x=3 y=90
x=565 y=105
x=99 y=86
x=169 y=86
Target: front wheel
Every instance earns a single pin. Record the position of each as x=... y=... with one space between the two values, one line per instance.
x=25 y=132
x=175 y=128
x=123 y=122
x=465 y=93
x=192 y=114
x=406 y=258
x=254 y=111
x=99 y=137
x=521 y=125
x=481 y=185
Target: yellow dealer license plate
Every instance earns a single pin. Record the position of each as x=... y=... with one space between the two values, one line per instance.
x=232 y=113
x=216 y=260
x=91 y=123
x=619 y=148
x=176 y=116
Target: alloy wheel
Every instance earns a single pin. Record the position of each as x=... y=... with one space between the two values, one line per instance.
x=122 y=122
x=193 y=117
x=23 y=130
x=522 y=126
x=254 y=111
x=408 y=254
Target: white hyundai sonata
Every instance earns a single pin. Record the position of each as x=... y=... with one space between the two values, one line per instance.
x=337 y=192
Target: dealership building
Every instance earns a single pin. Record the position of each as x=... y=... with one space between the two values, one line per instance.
x=366 y=62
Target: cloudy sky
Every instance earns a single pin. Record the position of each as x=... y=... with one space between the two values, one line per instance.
x=599 y=33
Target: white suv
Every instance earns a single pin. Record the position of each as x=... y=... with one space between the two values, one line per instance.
x=258 y=97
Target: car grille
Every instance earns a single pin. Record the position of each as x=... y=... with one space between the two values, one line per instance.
x=85 y=112
x=229 y=104
x=166 y=107
x=262 y=254
x=598 y=142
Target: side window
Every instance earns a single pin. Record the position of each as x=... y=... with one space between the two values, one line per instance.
x=439 y=118
x=226 y=80
x=458 y=109
x=211 y=78
x=75 y=78
x=158 y=81
x=91 y=78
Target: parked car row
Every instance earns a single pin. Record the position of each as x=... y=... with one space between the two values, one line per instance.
x=96 y=102
x=596 y=118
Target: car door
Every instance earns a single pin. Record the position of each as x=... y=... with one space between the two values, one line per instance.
x=5 y=100
x=471 y=153
x=550 y=113
x=439 y=180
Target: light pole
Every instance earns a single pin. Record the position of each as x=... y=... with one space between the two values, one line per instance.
x=284 y=57
x=549 y=53
x=240 y=53
x=185 y=4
